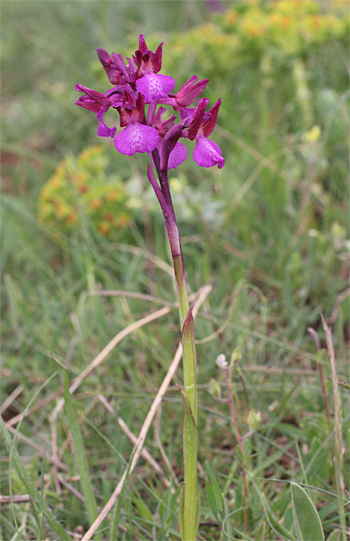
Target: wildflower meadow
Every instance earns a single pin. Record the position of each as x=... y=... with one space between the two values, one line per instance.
x=175 y=271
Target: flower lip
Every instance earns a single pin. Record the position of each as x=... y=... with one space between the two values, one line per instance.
x=207 y=153
x=136 y=137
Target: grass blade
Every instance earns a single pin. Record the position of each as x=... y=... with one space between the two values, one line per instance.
x=80 y=457
x=30 y=488
x=270 y=517
x=215 y=486
x=226 y=525
x=338 y=436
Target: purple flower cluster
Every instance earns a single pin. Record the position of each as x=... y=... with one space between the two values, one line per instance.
x=138 y=83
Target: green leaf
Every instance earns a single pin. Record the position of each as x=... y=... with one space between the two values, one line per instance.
x=80 y=457
x=181 y=511
x=215 y=486
x=142 y=508
x=226 y=526
x=113 y=532
x=30 y=488
x=270 y=517
x=290 y=431
x=198 y=508
x=211 y=499
x=164 y=509
x=328 y=510
x=308 y=526
x=41 y=514
x=335 y=535
x=189 y=498
x=189 y=362
x=182 y=515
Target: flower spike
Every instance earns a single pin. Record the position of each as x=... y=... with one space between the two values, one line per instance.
x=138 y=83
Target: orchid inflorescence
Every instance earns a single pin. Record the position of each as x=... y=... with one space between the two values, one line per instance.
x=139 y=83
x=136 y=84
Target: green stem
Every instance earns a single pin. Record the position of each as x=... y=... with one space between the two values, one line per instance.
x=189 y=500
x=181 y=288
x=188 y=346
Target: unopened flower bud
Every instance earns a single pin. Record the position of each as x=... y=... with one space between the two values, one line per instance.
x=104 y=57
x=254 y=419
x=221 y=361
x=214 y=388
x=236 y=355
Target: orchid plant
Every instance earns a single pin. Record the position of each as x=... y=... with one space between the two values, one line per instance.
x=137 y=83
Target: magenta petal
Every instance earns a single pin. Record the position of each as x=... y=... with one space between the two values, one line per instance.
x=96 y=96
x=88 y=103
x=177 y=156
x=104 y=57
x=207 y=153
x=104 y=131
x=136 y=137
x=154 y=86
x=187 y=112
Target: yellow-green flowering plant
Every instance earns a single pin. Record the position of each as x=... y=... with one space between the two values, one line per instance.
x=249 y=30
x=79 y=186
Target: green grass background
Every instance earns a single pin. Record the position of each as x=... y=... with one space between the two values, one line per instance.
x=275 y=236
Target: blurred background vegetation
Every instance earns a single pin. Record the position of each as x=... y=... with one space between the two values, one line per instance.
x=271 y=228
